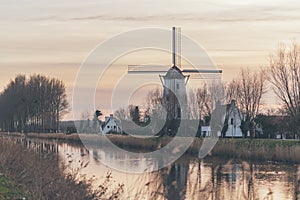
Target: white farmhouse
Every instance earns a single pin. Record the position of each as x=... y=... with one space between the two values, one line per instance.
x=110 y=126
x=233 y=120
x=232 y=124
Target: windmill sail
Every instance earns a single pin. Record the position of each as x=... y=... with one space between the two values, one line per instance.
x=176 y=47
x=163 y=69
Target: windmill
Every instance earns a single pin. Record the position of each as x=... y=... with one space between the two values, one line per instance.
x=174 y=83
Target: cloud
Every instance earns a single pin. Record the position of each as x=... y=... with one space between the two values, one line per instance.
x=230 y=14
x=45 y=18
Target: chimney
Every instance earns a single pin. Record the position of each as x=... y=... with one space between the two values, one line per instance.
x=233 y=102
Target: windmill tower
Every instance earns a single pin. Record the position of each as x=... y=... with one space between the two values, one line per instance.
x=174 y=94
x=174 y=82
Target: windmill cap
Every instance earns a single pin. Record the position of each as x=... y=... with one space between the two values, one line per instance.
x=174 y=72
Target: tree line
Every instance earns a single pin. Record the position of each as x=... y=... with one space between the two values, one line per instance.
x=32 y=104
x=248 y=89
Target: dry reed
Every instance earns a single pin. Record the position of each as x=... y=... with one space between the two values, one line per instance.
x=42 y=175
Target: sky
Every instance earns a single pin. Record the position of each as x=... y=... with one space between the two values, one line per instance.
x=55 y=37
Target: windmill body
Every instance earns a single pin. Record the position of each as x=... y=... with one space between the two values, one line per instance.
x=174 y=98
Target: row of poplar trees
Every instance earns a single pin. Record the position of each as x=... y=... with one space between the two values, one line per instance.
x=32 y=104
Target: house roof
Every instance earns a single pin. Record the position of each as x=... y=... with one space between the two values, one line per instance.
x=233 y=105
x=105 y=123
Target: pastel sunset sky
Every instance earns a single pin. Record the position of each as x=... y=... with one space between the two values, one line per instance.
x=54 y=37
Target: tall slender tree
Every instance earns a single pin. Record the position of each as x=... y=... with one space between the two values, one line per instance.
x=284 y=76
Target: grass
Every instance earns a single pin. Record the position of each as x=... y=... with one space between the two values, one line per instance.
x=43 y=176
x=9 y=189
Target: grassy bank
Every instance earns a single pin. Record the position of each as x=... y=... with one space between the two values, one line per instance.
x=42 y=176
x=259 y=149
x=9 y=189
x=54 y=136
x=248 y=149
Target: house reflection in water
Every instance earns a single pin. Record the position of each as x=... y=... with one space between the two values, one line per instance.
x=188 y=178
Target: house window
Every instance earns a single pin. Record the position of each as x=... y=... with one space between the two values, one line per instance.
x=168 y=98
x=177 y=86
x=115 y=127
x=107 y=126
x=231 y=121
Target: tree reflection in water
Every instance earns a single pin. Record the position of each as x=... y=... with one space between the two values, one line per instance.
x=225 y=179
x=189 y=177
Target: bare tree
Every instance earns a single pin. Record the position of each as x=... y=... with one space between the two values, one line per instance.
x=154 y=97
x=193 y=105
x=248 y=90
x=216 y=89
x=285 y=78
x=204 y=101
x=232 y=90
x=154 y=103
x=122 y=114
x=59 y=102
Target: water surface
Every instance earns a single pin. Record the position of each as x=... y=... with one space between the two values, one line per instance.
x=187 y=178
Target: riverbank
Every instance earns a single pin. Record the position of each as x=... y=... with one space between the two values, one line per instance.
x=259 y=150
x=54 y=136
x=43 y=176
x=9 y=189
x=236 y=148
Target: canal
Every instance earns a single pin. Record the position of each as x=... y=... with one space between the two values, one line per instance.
x=188 y=178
